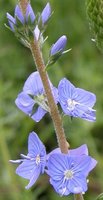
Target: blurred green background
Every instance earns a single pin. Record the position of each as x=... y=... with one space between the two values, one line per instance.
x=83 y=66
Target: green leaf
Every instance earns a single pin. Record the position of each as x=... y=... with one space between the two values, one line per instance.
x=100 y=197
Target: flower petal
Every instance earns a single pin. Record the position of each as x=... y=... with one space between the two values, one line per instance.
x=81 y=164
x=33 y=84
x=25 y=103
x=57 y=165
x=92 y=164
x=33 y=178
x=82 y=150
x=39 y=114
x=35 y=146
x=65 y=90
x=89 y=115
x=59 y=187
x=55 y=93
x=57 y=150
x=84 y=97
x=26 y=169
x=81 y=111
x=29 y=170
x=78 y=184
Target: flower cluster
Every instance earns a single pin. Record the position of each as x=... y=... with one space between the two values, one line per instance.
x=23 y=24
x=68 y=172
x=27 y=24
x=75 y=102
x=20 y=17
x=28 y=16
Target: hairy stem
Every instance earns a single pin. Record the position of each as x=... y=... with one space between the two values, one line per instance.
x=78 y=197
x=54 y=112
x=23 y=4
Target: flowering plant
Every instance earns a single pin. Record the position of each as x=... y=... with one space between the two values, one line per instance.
x=67 y=168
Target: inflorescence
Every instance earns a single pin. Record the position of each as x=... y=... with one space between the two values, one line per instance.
x=68 y=172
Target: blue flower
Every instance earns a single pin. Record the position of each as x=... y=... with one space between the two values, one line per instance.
x=76 y=102
x=23 y=18
x=82 y=150
x=46 y=13
x=59 y=46
x=34 y=163
x=32 y=100
x=68 y=172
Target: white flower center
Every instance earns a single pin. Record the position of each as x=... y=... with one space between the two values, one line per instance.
x=68 y=174
x=71 y=104
x=37 y=159
x=41 y=100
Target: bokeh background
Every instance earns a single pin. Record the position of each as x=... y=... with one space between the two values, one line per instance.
x=83 y=65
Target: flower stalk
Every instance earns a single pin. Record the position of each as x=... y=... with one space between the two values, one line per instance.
x=57 y=121
x=23 y=4
x=78 y=197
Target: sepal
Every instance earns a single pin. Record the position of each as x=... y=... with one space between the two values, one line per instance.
x=53 y=58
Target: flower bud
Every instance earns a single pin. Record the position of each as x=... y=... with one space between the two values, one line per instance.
x=36 y=33
x=19 y=17
x=11 y=21
x=24 y=18
x=59 y=46
x=46 y=13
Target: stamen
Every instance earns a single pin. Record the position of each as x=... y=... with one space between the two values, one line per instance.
x=68 y=174
x=71 y=104
x=37 y=159
x=63 y=190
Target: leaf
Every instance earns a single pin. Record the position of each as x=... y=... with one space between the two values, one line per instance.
x=100 y=197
